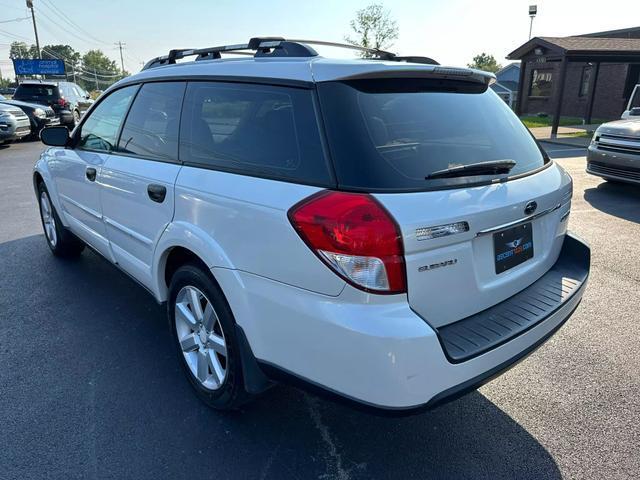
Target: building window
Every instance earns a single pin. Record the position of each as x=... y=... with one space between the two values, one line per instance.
x=586 y=81
x=541 y=83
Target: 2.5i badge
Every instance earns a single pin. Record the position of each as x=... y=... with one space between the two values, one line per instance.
x=512 y=247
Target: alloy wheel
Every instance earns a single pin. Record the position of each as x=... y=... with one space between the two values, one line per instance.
x=201 y=337
x=48 y=220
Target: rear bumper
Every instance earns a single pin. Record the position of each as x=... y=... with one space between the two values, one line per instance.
x=376 y=353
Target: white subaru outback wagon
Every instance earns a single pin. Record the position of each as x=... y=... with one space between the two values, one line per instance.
x=385 y=231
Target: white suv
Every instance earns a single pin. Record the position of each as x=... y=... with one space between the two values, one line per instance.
x=385 y=230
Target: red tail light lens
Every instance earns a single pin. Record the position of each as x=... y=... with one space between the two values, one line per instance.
x=356 y=237
x=62 y=102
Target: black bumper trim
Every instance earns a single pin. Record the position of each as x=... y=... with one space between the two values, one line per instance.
x=495 y=326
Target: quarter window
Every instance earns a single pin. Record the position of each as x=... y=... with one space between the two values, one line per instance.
x=151 y=128
x=100 y=130
x=253 y=129
x=541 y=83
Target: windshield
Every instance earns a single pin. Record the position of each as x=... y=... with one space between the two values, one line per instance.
x=47 y=93
x=389 y=135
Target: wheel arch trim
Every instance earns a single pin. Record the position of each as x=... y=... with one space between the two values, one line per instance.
x=189 y=237
x=41 y=169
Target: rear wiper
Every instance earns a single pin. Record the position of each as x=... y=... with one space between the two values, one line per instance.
x=480 y=168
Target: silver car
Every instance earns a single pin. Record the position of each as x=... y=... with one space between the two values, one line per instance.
x=14 y=123
x=614 y=153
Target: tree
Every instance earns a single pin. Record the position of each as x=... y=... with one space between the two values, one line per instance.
x=98 y=69
x=64 y=52
x=485 y=62
x=373 y=28
x=22 y=50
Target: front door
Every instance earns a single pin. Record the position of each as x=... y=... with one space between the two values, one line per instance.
x=138 y=180
x=77 y=170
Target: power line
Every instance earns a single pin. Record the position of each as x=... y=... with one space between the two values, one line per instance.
x=72 y=62
x=15 y=20
x=51 y=7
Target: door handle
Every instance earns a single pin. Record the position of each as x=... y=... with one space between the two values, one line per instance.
x=91 y=174
x=156 y=192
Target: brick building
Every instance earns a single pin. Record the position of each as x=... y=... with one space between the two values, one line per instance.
x=588 y=76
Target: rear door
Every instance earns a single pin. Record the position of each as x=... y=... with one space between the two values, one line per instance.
x=139 y=179
x=83 y=99
x=471 y=240
x=76 y=171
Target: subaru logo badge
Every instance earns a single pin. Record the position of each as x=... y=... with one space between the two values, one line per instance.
x=530 y=207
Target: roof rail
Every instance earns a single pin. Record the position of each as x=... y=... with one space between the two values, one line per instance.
x=276 y=47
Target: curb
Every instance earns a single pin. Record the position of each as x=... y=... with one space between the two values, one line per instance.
x=561 y=142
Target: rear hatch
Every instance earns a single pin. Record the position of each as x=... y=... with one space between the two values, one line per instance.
x=472 y=238
x=44 y=94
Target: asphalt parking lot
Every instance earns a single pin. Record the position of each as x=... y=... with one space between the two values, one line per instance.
x=90 y=386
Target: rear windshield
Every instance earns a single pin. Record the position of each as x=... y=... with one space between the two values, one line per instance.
x=388 y=135
x=37 y=92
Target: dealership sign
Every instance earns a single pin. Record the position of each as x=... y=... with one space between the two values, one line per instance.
x=25 y=66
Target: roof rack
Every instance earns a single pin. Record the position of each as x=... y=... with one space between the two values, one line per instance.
x=276 y=47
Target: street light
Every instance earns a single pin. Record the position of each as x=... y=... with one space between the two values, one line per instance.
x=533 y=10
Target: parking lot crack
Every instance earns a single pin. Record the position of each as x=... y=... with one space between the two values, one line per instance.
x=333 y=456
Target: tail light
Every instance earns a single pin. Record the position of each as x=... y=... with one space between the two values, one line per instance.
x=62 y=102
x=356 y=237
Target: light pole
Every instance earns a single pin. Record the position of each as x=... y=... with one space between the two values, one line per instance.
x=35 y=29
x=533 y=10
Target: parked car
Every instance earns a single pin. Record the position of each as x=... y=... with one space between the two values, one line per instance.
x=7 y=91
x=633 y=107
x=387 y=233
x=40 y=116
x=614 y=152
x=14 y=124
x=67 y=99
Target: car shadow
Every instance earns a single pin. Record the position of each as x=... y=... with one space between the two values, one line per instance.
x=619 y=199
x=106 y=398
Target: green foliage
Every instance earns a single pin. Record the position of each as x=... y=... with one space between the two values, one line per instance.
x=485 y=62
x=65 y=52
x=373 y=27
x=21 y=50
x=98 y=61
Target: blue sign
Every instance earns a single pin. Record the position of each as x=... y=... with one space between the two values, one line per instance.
x=24 y=66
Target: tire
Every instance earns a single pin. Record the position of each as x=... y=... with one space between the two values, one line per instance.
x=206 y=341
x=61 y=241
x=76 y=117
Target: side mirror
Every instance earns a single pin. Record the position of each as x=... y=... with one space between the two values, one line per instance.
x=55 y=136
x=635 y=112
x=88 y=97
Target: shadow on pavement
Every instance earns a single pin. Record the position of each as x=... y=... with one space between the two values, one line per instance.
x=91 y=388
x=619 y=199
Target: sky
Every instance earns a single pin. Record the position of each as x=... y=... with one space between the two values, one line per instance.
x=450 y=31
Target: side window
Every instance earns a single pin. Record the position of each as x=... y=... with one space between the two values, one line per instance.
x=253 y=129
x=151 y=128
x=100 y=130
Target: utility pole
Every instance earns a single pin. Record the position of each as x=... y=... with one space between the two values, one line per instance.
x=533 y=10
x=95 y=75
x=119 y=44
x=35 y=29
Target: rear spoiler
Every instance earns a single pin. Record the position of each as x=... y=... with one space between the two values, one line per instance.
x=426 y=71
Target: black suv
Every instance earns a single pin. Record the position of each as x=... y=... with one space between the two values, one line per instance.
x=67 y=99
